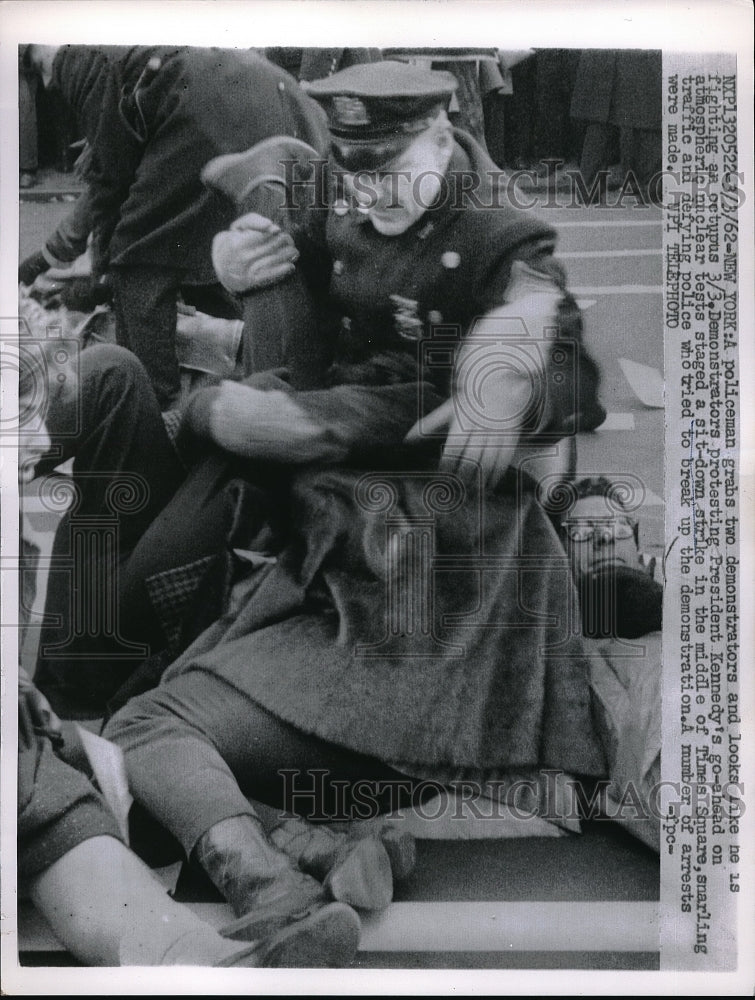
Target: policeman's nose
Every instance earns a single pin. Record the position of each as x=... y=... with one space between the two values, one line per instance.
x=367 y=189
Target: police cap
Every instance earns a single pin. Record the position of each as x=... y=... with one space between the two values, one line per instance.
x=375 y=110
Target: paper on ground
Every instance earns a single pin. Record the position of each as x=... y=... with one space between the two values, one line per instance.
x=645 y=382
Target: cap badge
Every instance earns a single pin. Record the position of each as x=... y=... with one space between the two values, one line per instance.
x=406 y=318
x=350 y=110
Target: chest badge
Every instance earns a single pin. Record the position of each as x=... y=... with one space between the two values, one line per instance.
x=406 y=320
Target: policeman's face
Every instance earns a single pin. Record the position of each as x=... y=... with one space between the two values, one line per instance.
x=397 y=195
x=597 y=535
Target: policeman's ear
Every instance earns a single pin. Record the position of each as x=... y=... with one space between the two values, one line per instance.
x=444 y=136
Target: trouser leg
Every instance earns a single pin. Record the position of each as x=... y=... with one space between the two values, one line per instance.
x=641 y=153
x=113 y=428
x=145 y=311
x=213 y=300
x=125 y=470
x=27 y=123
x=555 y=70
x=190 y=745
x=196 y=746
x=596 y=150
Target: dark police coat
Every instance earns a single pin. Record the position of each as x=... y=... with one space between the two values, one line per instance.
x=396 y=306
x=151 y=134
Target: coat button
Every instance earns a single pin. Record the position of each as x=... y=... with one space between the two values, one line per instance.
x=341 y=207
x=346 y=323
x=450 y=260
x=434 y=317
x=338 y=267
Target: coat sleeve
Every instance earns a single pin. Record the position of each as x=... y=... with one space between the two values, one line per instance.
x=58 y=807
x=342 y=421
x=125 y=122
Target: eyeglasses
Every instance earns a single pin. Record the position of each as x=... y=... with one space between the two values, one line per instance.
x=607 y=531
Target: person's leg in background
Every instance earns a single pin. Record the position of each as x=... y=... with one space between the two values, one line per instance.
x=28 y=151
x=641 y=152
x=519 y=117
x=598 y=150
x=555 y=74
x=144 y=300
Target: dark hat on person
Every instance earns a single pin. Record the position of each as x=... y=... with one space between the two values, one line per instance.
x=375 y=110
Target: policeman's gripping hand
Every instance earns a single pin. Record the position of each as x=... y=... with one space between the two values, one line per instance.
x=484 y=454
x=500 y=386
x=472 y=455
x=254 y=253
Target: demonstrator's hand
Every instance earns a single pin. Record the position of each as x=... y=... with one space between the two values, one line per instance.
x=265 y=424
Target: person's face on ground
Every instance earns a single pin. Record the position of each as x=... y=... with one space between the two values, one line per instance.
x=597 y=536
x=395 y=197
x=31 y=446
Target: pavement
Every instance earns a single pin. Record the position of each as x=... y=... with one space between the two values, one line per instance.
x=587 y=901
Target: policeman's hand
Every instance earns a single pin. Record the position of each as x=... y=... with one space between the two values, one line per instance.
x=499 y=378
x=30 y=268
x=254 y=253
x=481 y=422
x=484 y=429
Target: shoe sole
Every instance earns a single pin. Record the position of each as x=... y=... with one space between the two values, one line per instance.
x=399 y=844
x=262 y=921
x=401 y=848
x=361 y=875
x=328 y=939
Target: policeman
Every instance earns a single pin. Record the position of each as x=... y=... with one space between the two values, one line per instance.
x=421 y=241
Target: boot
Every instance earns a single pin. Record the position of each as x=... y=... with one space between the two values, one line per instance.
x=270 y=895
x=356 y=865
x=328 y=939
x=399 y=844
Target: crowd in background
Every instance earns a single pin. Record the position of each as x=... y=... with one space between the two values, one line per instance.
x=599 y=109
